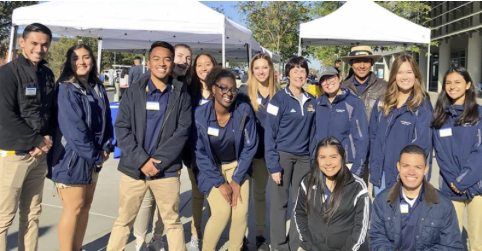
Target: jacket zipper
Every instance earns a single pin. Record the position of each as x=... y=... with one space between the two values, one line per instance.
x=165 y=119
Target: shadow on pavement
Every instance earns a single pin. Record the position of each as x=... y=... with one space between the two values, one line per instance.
x=101 y=243
x=12 y=239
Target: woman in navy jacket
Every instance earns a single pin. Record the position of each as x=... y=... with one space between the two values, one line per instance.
x=399 y=118
x=342 y=115
x=83 y=142
x=287 y=136
x=458 y=149
x=226 y=142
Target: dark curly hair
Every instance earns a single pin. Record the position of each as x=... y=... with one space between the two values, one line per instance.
x=216 y=74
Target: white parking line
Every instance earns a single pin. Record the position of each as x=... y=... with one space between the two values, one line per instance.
x=92 y=213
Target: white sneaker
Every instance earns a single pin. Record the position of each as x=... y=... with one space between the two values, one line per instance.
x=195 y=244
x=142 y=247
x=157 y=245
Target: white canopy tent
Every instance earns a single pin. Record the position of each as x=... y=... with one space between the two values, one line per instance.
x=136 y=23
x=363 y=23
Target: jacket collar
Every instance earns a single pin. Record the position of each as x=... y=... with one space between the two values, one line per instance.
x=288 y=91
x=323 y=99
x=454 y=110
x=212 y=114
x=430 y=195
x=25 y=62
x=176 y=85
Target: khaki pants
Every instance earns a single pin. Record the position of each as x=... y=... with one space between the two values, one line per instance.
x=474 y=220
x=197 y=203
x=221 y=213
x=166 y=192
x=21 y=186
x=260 y=180
x=148 y=211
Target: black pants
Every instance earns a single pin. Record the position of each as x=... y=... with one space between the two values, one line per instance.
x=294 y=169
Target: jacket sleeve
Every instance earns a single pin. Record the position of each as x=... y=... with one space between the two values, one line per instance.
x=359 y=132
x=313 y=140
x=471 y=172
x=270 y=133
x=300 y=216
x=171 y=149
x=125 y=136
x=10 y=118
x=208 y=170
x=130 y=76
x=378 y=232
x=74 y=128
x=249 y=147
x=450 y=238
x=358 y=235
x=373 y=131
x=423 y=132
x=109 y=128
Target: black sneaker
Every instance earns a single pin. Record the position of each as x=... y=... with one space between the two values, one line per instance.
x=245 y=244
x=261 y=244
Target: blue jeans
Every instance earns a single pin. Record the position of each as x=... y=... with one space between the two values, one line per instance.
x=377 y=190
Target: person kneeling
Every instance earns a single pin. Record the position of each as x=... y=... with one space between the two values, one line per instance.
x=412 y=214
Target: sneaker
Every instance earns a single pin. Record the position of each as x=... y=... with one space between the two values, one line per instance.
x=142 y=247
x=261 y=244
x=157 y=245
x=195 y=244
x=245 y=244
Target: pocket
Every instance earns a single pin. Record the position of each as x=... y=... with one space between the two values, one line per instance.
x=72 y=162
x=389 y=227
x=14 y=170
x=431 y=230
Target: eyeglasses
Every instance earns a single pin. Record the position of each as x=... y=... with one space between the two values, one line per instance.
x=225 y=90
x=327 y=80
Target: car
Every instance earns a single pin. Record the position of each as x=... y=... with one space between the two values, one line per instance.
x=236 y=72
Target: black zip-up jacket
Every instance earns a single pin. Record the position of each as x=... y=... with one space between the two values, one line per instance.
x=346 y=229
x=25 y=119
x=130 y=127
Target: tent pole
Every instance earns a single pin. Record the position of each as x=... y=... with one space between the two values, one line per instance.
x=248 y=56
x=99 y=54
x=428 y=68
x=299 y=46
x=223 y=50
x=250 y=53
x=13 y=42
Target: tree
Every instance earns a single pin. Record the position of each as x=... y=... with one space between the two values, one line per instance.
x=275 y=24
x=6 y=10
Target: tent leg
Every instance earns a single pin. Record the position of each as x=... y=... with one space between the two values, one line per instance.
x=248 y=52
x=13 y=42
x=299 y=46
x=223 y=49
x=428 y=68
x=99 y=54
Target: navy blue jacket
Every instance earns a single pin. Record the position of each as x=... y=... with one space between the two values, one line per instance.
x=459 y=156
x=288 y=127
x=390 y=134
x=437 y=229
x=76 y=151
x=246 y=143
x=346 y=120
x=130 y=126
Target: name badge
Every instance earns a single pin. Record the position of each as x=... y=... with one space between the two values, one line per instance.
x=203 y=101
x=152 y=106
x=90 y=98
x=30 y=91
x=260 y=101
x=404 y=208
x=272 y=109
x=445 y=132
x=213 y=131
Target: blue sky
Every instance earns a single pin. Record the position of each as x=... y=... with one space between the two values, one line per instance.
x=231 y=12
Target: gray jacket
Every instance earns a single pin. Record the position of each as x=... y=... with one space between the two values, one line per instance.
x=375 y=88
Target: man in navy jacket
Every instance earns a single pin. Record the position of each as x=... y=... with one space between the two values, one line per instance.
x=152 y=127
x=412 y=214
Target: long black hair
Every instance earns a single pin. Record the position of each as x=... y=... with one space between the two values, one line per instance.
x=195 y=85
x=68 y=76
x=317 y=183
x=470 y=115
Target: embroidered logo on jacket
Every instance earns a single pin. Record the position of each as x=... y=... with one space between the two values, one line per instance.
x=405 y=122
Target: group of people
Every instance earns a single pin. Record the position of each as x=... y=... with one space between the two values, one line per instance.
x=191 y=113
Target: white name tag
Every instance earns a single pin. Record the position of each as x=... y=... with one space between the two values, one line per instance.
x=404 y=208
x=260 y=101
x=90 y=98
x=446 y=132
x=30 y=91
x=272 y=109
x=153 y=106
x=213 y=131
x=203 y=101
